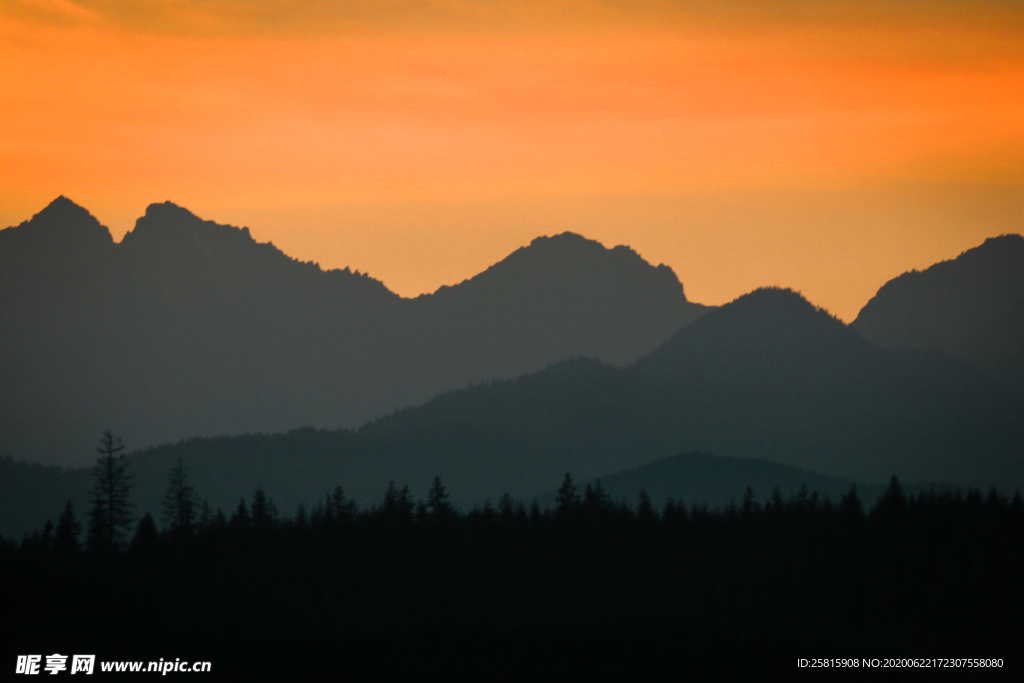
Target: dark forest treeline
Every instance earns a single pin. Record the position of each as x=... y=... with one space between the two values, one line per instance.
x=190 y=522
x=589 y=583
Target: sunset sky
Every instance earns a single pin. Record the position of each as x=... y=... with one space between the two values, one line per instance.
x=821 y=144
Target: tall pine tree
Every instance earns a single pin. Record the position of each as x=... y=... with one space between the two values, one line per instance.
x=179 y=505
x=110 y=512
x=439 y=506
x=567 y=499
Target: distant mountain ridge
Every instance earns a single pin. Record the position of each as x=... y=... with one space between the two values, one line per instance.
x=189 y=327
x=971 y=306
x=803 y=402
x=807 y=392
x=719 y=481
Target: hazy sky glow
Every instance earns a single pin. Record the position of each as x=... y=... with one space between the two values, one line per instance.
x=825 y=145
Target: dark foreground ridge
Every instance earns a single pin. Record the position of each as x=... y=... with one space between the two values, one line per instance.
x=589 y=586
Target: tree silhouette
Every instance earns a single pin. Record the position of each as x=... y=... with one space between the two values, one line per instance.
x=595 y=496
x=339 y=509
x=146 y=534
x=750 y=563
x=893 y=502
x=645 y=508
x=241 y=518
x=506 y=508
x=749 y=505
x=851 y=507
x=110 y=514
x=439 y=506
x=568 y=499
x=398 y=505
x=179 y=506
x=596 y=503
x=66 y=535
x=264 y=512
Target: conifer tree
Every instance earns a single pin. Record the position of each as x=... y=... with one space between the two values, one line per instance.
x=506 y=508
x=179 y=507
x=749 y=505
x=850 y=506
x=110 y=514
x=644 y=508
x=264 y=512
x=893 y=502
x=146 y=534
x=68 y=529
x=439 y=506
x=241 y=518
x=339 y=509
x=568 y=499
x=399 y=507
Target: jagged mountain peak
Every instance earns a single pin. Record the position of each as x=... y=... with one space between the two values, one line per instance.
x=566 y=238
x=61 y=224
x=1009 y=238
x=172 y=234
x=169 y=209
x=569 y=259
x=62 y=204
x=1008 y=245
x=167 y=221
x=64 y=212
x=573 y=245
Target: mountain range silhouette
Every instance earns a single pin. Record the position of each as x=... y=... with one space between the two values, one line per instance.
x=563 y=357
x=971 y=306
x=188 y=327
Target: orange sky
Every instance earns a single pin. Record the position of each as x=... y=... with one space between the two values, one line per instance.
x=824 y=145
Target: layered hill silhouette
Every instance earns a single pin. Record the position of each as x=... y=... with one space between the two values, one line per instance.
x=971 y=307
x=188 y=327
x=768 y=377
x=564 y=357
x=719 y=481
